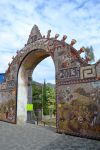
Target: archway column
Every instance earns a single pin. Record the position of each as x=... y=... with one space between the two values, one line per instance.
x=22 y=97
x=29 y=113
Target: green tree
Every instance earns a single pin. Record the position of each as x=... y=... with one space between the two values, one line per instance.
x=37 y=96
x=51 y=98
x=43 y=97
x=89 y=54
x=44 y=100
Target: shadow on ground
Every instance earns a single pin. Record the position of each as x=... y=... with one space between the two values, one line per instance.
x=33 y=137
x=67 y=142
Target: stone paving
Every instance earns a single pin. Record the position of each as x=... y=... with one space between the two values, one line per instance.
x=33 y=137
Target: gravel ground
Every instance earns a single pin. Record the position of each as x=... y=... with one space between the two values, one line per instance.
x=33 y=137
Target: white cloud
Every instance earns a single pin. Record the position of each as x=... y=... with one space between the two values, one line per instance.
x=75 y=18
x=4 y=60
x=45 y=70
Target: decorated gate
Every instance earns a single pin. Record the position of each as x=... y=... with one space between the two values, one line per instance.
x=77 y=85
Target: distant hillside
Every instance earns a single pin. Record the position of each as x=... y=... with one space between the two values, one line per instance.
x=51 y=85
x=41 y=84
x=37 y=83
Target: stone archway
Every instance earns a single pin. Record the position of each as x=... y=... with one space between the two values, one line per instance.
x=24 y=82
x=77 y=85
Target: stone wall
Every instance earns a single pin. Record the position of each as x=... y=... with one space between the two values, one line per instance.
x=77 y=85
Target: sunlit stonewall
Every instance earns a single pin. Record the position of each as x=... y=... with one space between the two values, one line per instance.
x=77 y=85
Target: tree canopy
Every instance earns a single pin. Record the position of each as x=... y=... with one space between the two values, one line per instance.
x=43 y=97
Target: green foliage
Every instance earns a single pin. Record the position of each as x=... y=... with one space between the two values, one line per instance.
x=89 y=53
x=37 y=96
x=45 y=101
x=51 y=97
x=43 y=97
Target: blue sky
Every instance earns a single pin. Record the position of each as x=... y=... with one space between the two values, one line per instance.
x=79 y=19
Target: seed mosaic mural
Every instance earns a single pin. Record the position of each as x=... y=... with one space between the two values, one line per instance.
x=79 y=109
x=77 y=85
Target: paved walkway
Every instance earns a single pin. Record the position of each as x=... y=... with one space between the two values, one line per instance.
x=32 y=137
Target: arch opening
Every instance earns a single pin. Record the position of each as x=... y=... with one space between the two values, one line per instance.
x=24 y=89
x=43 y=93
